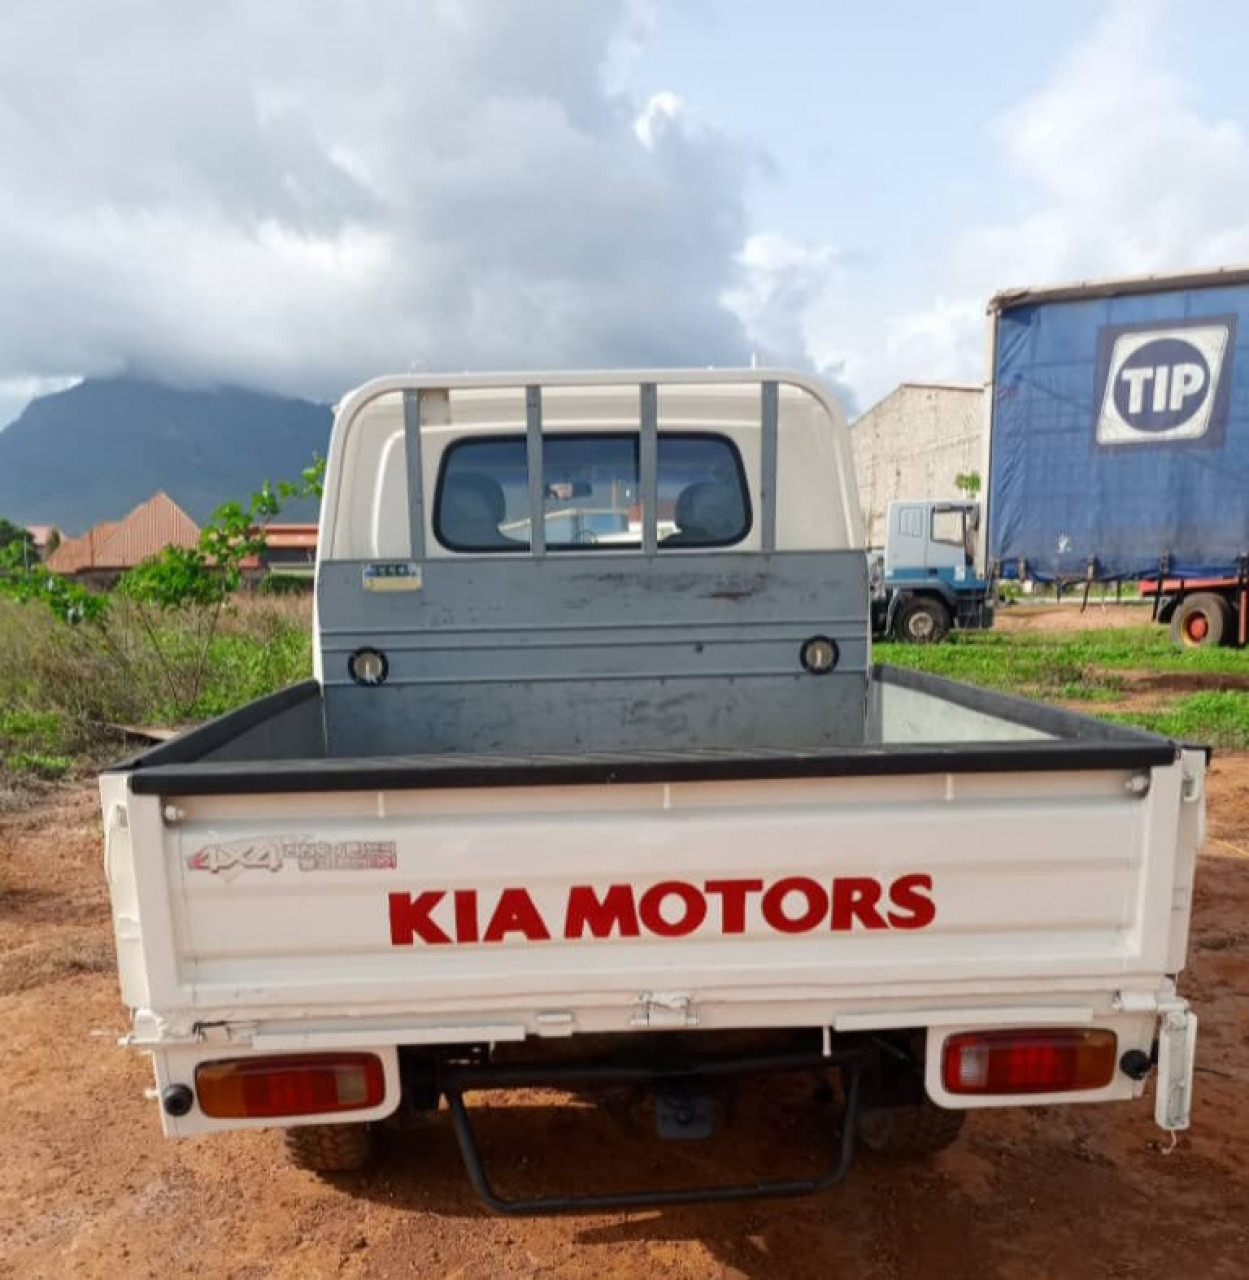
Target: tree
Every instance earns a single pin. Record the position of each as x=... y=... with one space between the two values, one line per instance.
x=14 y=535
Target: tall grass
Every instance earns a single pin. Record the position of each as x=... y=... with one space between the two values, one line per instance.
x=64 y=690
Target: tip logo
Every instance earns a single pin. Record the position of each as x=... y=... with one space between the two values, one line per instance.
x=1163 y=384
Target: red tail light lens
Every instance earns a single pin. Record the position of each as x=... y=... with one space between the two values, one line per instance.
x=303 y=1085
x=1037 y=1060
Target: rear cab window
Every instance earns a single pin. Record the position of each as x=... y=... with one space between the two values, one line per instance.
x=591 y=493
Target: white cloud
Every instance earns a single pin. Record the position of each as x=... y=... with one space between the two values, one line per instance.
x=1126 y=174
x=291 y=200
x=784 y=296
x=16 y=393
x=1131 y=176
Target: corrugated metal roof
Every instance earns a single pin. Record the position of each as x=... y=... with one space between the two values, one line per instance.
x=159 y=522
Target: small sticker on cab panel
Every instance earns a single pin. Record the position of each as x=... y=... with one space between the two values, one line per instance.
x=392 y=575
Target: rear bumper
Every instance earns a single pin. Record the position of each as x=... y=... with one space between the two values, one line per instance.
x=1165 y=1038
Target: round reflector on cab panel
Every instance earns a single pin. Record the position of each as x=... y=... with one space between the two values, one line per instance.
x=368 y=667
x=819 y=655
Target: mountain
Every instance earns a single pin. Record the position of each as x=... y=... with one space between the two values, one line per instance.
x=95 y=451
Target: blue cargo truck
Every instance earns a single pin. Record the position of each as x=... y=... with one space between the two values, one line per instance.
x=1118 y=444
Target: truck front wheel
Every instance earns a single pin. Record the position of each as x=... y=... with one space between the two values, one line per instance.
x=1201 y=621
x=922 y=620
x=914 y=1129
x=329 y=1148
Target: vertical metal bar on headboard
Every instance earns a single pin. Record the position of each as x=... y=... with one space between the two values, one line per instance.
x=416 y=485
x=648 y=466
x=537 y=476
x=768 y=414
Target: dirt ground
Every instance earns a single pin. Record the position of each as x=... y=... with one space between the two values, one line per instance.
x=1069 y=616
x=89 y=1187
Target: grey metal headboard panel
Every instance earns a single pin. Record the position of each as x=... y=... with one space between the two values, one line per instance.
x=598 y=651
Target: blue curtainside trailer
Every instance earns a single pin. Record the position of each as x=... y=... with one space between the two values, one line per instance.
x=1119 y=443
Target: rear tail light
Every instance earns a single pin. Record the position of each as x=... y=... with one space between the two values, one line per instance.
x=303 y=1085
x=1037 y=1060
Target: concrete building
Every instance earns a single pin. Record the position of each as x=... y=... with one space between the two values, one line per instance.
x=913 y=444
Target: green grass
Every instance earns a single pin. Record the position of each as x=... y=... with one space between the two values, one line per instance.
x=35 y=744
x=1092 y=667
x=1074 y=665
x=1218 y=719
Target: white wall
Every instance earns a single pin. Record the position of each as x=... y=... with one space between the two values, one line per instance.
x=912 y=445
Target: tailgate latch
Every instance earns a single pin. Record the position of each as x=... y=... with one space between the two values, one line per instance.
x=663 y=1009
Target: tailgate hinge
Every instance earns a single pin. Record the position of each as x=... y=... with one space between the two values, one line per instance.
x=663 y=1009
x=225 y=1032
x=1160 y=1002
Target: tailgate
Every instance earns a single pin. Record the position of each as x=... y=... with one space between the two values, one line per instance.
x=729 y=900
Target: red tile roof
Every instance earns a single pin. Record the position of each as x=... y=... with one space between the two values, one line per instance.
x=288 y=536
x=40 y=533
x=158 y=522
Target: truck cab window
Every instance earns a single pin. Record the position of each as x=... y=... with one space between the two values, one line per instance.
x=483 y=497
x=590 y=486
x=703 y=501
x=947 y=526
x=591 y=493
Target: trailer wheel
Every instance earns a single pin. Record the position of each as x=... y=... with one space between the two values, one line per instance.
x=329 y=1148
x=922 y=620
x=1201 y=621
x=916 y=1129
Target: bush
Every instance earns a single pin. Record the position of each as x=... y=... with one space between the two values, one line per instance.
x=286 y=584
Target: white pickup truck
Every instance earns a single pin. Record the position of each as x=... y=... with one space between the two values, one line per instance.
x=596 y=783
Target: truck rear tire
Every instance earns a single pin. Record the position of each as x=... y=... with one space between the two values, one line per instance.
x=922 y=620
x=1201 y=621
x=329 y=1148
x=916 y=1129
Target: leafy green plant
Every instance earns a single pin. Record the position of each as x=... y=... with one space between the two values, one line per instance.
x=968 y=483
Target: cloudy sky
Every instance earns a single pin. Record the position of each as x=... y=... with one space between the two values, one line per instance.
x=297 y=194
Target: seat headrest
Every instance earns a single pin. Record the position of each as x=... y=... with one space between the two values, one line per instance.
x=471 y=508
x=710 y=511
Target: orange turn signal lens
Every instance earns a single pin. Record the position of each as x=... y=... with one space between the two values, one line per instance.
x=1035 y=1060
x=302 y=1085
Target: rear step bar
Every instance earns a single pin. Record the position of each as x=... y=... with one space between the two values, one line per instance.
x=456 y=1080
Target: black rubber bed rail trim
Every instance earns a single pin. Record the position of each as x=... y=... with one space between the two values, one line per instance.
x=856 y=762
x=1075 y=742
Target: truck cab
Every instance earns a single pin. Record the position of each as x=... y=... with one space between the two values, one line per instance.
x=925 y=582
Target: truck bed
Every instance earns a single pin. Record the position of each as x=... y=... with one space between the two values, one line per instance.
x=913 y=723
x=975 y=848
